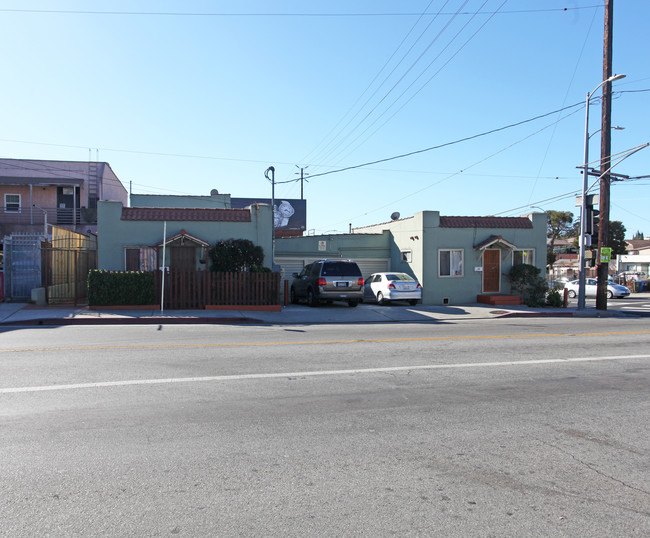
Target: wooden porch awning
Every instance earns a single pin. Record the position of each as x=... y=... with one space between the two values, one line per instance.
x=495 y=240
x=183 y=236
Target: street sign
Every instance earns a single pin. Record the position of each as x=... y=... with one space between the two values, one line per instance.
x=605 y=254
x=592 y=199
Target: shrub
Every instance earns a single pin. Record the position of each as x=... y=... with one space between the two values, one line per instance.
x=554 y=298
x=532 y=287
x=237 y=256
x=112 y=288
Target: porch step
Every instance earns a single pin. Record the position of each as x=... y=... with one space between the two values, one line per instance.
x=499 y=299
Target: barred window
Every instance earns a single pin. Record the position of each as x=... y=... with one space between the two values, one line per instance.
x=12 y=203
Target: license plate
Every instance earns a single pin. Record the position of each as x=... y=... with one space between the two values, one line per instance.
x=341 y=284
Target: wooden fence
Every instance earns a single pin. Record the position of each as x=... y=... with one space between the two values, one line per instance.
x=202 y=289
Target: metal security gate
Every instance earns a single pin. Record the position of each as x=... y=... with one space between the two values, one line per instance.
x=22 y=266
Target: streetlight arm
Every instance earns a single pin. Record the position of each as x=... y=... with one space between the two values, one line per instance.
x=585 y=185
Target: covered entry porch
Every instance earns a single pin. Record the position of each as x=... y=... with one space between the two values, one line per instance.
x=492 y=252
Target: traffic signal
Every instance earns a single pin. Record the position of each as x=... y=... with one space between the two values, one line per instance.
x=592 y=220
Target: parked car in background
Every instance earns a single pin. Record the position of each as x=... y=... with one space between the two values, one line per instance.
x=328 y=280
x=387 y=287
x=559 y=282
x=591 y=286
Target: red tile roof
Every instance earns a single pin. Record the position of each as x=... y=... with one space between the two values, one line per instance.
x=186 y=214
x=485 y=222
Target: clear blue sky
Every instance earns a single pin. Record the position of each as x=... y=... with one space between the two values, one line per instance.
x=185 y=103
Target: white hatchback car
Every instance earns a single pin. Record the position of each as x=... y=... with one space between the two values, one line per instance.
x=387 y=287
x=591 y=285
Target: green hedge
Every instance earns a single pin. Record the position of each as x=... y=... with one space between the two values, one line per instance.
x=112 y=288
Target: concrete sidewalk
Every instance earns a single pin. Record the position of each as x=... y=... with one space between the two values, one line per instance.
x=29 y=314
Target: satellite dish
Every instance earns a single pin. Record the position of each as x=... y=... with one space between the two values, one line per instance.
x=394 y=216
x=214 y=192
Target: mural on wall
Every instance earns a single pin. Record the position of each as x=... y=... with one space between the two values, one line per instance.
x=290 y=214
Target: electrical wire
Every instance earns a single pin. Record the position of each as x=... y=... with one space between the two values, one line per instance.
x=408 y=70
x=439 y=146
x=267 y=14
x=465 y=168
x=424 y=85
x=372 y=82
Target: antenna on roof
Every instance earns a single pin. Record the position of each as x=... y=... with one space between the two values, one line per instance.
x=394 y=216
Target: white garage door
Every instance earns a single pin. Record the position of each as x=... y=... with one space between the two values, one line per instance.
x=369 y=267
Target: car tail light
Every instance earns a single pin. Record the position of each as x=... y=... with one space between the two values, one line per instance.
x=391 y=286
x=322 y=282
x=418 y=286
x=360 y=282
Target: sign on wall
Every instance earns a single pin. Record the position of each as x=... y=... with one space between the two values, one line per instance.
x=288 y=214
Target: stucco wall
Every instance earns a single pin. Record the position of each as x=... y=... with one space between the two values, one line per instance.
x=375 y=245
x=422 y=236
x=112 y=187
x=114 y=234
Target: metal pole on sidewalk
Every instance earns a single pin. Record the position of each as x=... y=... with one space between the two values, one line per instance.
x=162 y=268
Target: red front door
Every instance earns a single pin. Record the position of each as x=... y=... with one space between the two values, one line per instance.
x=491 y=271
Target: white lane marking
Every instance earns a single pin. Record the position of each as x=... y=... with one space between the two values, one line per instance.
x=237 y=377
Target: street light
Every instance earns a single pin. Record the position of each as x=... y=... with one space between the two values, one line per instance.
x=585 y=187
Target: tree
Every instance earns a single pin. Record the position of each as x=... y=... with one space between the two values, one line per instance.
x=638 y=235
x=616 y=238
x=558 y=225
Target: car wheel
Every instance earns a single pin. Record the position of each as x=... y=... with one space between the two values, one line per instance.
x=294 y=298
x=572 y=294
x=380 y=299
x=353 y=303
x=311 y=298
x=413 y=302
x=609 y=294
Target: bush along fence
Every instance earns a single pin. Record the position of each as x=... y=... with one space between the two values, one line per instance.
x=185 y=290
x=120 y=288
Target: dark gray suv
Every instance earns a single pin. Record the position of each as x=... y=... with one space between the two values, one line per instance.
x=328 y=280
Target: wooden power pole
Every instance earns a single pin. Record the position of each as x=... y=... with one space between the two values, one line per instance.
x=605 y=155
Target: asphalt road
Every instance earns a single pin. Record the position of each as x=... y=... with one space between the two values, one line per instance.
x=518 y=427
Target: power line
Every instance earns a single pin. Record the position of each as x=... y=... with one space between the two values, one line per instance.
x=419 y=76
x=458 y=141
x=371 y=83
x=408 y=70
x=269 y=14
x=471 y=166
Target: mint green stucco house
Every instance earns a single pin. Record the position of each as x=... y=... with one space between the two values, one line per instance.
x=132 y=238
x=456 y=259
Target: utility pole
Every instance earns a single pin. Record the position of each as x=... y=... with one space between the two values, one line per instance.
x=302 y=178
x=605 y=155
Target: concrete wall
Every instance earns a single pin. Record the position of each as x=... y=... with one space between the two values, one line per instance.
x=114 y=234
